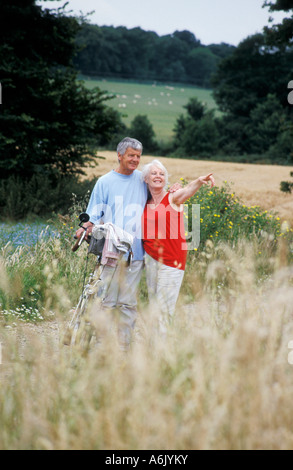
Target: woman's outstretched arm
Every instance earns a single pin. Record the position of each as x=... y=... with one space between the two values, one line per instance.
x=180 y=196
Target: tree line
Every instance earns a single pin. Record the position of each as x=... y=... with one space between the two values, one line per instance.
x=250 y=88
x=119 y=52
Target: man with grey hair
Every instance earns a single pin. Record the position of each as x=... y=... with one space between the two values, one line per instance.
x=119 y=197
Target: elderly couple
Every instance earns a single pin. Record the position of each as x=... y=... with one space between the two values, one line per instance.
x=139 y=203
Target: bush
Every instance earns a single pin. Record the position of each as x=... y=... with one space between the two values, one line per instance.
x=287 y=186
x=224 y=217
x=39 y=196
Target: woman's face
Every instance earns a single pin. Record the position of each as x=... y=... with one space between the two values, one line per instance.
x=156 y=178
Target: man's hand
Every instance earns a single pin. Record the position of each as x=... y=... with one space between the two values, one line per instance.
x=80 y=231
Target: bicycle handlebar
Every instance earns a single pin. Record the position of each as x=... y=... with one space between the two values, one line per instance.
x=83 y=218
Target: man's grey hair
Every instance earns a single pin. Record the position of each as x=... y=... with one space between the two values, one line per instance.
x=147 y=168
x=129 y=142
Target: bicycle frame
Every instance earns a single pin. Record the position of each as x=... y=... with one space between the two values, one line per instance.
x=80 y=329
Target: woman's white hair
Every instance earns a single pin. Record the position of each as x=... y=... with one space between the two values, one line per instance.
x=147 y=168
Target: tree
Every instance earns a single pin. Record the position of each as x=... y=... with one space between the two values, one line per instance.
x=142 y=129
x=195 y=109
x=249 y=74
x=281 y=34
x=250 y=88
x=188 y=37
x=265 y=124
x=201 y=137
x=200 y=64
x=49 y=121
x=196 y=133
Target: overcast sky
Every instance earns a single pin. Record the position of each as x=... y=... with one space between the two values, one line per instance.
x=212 y=21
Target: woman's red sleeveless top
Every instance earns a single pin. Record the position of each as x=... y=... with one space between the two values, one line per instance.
x=164 y=234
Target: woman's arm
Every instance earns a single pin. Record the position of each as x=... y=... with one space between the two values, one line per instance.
x=180 y=196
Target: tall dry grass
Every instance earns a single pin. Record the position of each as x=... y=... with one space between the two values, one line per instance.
x=220 y=379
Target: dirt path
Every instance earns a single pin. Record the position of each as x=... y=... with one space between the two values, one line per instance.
x=18 y=339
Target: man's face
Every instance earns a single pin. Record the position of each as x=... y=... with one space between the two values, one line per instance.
x=129 y=161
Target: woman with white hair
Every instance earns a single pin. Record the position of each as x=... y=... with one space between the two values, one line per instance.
x=164 y=236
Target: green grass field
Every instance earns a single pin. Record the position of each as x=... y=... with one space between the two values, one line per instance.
x=160 y=102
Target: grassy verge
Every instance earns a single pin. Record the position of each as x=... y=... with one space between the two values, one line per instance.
x=221 y=379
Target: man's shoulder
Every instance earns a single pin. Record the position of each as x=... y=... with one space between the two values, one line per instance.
x=105 y=179
x=113 y=177
x=107 y=176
